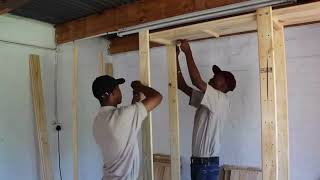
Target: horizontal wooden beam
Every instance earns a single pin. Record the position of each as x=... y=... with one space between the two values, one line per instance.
x=130 y=15
x=294 y=15
x=4 y=10
x=226 y=26
x=163 y=41
x=212 y=33
x=306 y=13
x=281 y=16
x=126 y=43
x=9 y=5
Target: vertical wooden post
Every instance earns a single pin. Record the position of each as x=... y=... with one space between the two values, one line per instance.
x=173 y=112
x=282 y=103
x=40 y=119
x=109 y=69
x=144 y=53
x=102 y=64
x=268 y=94
x=74 y=114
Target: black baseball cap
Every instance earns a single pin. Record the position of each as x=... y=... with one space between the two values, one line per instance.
x=105 y=84
x=228 y=76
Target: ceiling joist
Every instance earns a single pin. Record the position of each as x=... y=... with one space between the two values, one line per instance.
x=132 y=14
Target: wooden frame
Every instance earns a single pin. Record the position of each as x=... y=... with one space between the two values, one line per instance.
x=273 y=78
x=104 y=68
x=173 y=112
x=40 y=118
x=145 y=78
x=75 y=113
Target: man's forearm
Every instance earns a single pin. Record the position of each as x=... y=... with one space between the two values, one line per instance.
x=192 y=68
x=182 y=85
x=147 y=91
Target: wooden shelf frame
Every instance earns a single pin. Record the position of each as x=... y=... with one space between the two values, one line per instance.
x=290 y=16
x=269 y=25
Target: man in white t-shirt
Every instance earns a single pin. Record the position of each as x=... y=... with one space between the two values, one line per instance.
x=115 y=129
x=212 y=105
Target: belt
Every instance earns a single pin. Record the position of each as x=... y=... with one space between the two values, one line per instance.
x=204 y=160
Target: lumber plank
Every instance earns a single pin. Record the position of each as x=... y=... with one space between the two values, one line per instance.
x=75 y=114
x=102 y=66
x=268 y=94
x=4 y=10
x=289 y=16
x=145 y=77
x=226 y=26
x=127 y=16
x=109 y=69
x=227 y=175
x=295 y=15
x=235 y=175
x=162 y=41
x=167 y=173
x=173 y=112
x=40 y=118
x=239 y=24
x=211 y=32
x=276 y=24
x=282 y=104
x=131 y=14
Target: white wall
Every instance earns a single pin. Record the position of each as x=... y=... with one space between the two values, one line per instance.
x=241 y=138
x=90 y=162
x=18 y=143
x=303 y=54
x=26 y=31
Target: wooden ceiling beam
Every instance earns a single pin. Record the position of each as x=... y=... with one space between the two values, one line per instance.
x=9 y=5
x=132 y=14
x=289 y=16
x=4 y=10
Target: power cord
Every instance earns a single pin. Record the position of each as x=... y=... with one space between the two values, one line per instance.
x=58 y=128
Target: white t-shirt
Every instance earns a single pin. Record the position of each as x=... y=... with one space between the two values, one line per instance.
x=212 y=108
x=116 y=132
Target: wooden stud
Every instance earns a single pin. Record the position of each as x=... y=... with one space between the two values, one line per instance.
x=74 y=114
x=109 y=69
x=40 y=119
x=162 y=41
x=282 y=104
x=268 y=94
x=276 y=24
x=211 y=32
x=102 y=64
x=235 y=175
x=173 y=112
x=145 y=77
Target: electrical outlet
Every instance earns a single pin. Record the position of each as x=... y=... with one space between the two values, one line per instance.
x=58 y=126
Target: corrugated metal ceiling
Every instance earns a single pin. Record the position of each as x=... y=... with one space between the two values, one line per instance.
x=60 y=11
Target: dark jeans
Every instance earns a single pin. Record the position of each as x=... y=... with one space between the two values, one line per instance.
x=205 y=171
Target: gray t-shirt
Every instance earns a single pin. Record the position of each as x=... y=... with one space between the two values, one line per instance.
x=212 y=108
x=116 y=132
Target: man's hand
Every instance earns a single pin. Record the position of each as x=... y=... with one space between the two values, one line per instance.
x=185 y=47
x=135 y=84
x=152 y=97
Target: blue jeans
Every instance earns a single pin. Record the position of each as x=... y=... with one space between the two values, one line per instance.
x=209 y=171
